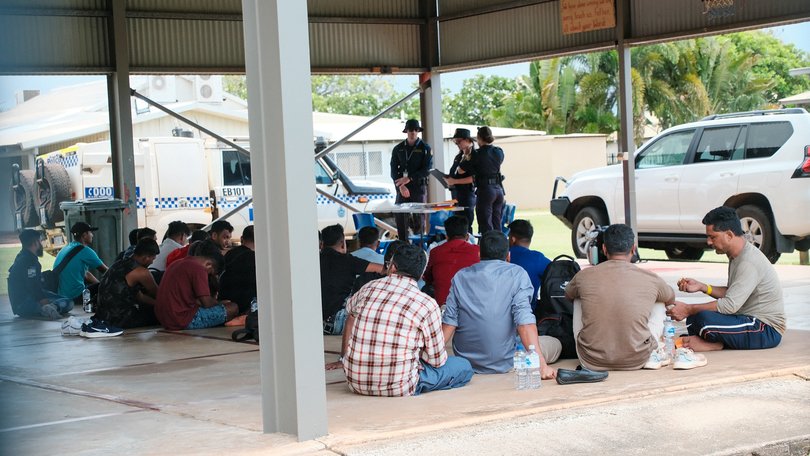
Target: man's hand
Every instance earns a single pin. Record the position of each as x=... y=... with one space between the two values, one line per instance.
x=679 y=311
x=690 y=285
x=403 y=190
x=547 y=372
x=402 y=181
x=333 y=366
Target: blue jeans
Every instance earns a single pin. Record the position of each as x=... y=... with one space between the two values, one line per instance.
x=32 y=307
x=455 y=373
x=737 y=332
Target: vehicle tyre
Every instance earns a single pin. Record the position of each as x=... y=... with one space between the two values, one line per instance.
x=22 y=199
x=758 y=230
x=684 y=253
x=587 y=219
x=53 y=188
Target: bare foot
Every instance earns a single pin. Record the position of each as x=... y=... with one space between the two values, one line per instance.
x=698 y=344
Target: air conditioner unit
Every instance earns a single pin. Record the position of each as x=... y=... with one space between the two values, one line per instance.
x=163 y=89
x=209 y=88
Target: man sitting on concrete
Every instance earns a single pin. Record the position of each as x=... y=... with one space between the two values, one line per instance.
x=534 y=262
x=487 y=303
x=127 y=292
x=338 y=270
x=25 y=292
x=184 y=298
x=749 y=312
x=369 y=238
x=176 y=237
x=182 y=252
x=367 y=277
x=619 y=311
x=76 y=275
x=393 y=343
x=450 y=257
x=140 y=233
x=238 y=282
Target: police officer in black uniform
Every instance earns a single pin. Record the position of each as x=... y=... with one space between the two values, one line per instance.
x=485 y=167
x=462 y=188
x=411 y=161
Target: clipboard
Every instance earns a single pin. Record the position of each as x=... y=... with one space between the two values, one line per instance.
x=440 y=176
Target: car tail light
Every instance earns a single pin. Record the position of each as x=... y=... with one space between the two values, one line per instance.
x=804 y=169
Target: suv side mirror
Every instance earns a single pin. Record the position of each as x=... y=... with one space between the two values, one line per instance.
x=15 y=175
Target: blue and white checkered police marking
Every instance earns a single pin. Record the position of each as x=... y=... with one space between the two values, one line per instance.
x=182 y=202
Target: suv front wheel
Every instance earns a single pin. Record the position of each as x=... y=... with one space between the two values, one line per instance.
x=758 y=230
x=586 y=220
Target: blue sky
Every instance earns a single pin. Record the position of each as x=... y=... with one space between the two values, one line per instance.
x=798 y=34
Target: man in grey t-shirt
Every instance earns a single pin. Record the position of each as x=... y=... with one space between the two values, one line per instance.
x=748 y=313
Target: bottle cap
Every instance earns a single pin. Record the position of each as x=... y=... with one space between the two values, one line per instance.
x=531 y=347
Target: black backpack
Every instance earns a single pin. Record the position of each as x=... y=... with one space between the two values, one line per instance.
x=251 y=329
x=554 y=312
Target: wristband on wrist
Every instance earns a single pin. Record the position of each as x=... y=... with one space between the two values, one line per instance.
x=708 y=289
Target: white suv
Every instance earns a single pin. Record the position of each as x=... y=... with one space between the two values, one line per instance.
x=757 y=162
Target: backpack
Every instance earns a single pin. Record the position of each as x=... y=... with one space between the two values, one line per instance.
x=251 y=329
x=50 y=279
x=554 y=312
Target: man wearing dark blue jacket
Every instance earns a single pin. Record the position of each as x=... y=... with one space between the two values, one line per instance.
x=28 y=298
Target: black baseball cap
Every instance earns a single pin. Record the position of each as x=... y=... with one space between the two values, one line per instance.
x=80 y=228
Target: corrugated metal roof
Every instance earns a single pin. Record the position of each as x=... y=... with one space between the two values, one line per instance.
x=364 y=8
x=334 y=46
x=185 y=6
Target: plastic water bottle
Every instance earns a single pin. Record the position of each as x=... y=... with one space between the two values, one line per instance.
x=533 y=361
x=86 y=304
x=521 y=377
x=669 y=337
x=254 y=305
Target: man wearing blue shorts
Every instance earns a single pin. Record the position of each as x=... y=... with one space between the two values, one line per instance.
x=749 y=312
x=184 y=298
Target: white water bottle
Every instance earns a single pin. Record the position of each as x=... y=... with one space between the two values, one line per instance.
x=254 y=305
x=669 y=337
x=533 y=359
x=519 y=360
x=86 y=304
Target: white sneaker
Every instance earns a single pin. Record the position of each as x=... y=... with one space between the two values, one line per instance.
x=685 y=358
x=658 y=359
x=73 y=326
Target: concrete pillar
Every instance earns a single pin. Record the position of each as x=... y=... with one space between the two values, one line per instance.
x=431 y=102
x=627 y=145
x=118 y=95
x=280 y=113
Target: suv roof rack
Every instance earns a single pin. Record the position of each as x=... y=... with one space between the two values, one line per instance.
x=755 y=113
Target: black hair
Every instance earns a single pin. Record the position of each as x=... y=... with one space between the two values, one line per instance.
x=146 y=233
x=28 y=236
x=724 y=218
x=368 y=235
x=494 y=246
x=619 y=238
x=332 y=235
x=456 y=226
x=392 y=250
x=207 y=249
x=198 y=235
x=521 y=230
x=485 y=135
x=220 y=226
x=146 y=246
x=247 y=233
x=410 y=261
x=133 y=236
x=177 y=227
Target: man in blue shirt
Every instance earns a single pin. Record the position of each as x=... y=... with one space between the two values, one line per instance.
x=76 y=273
x=488 y=302
x=369 y=238
x=534 y=262
x=28 y=298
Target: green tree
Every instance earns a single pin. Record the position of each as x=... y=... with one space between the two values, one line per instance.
x=478 y=97
x=235 y=84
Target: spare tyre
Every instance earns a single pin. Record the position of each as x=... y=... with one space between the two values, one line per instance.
x=22 y=199
x=53 y=188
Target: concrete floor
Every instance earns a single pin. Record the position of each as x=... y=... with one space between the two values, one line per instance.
x=196 y=392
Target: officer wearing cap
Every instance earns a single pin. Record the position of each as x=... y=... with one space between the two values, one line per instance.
x=411 y=161
x=462 y=188
x=485 y=167
x=75 y=276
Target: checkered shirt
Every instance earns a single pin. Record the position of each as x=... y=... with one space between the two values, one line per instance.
x=395 y=325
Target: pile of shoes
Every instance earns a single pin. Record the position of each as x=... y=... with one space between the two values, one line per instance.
x=91 y=328
x=684 y=359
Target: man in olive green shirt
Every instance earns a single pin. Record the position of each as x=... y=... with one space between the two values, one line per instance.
x=748 y=313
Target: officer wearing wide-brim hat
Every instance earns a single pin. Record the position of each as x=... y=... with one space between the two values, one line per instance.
x=463 y=190
x=411 y=161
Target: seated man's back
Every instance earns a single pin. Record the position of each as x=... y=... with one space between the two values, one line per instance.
x=238 y=282
x=450 y=257
x=534 y=262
